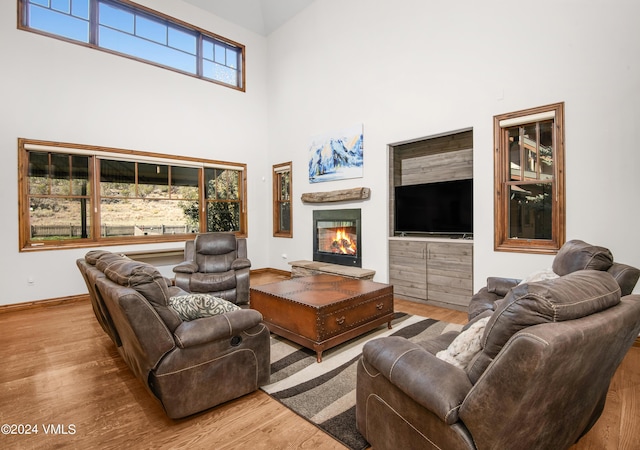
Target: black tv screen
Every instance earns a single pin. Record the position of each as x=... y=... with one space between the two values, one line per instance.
x=435 y=208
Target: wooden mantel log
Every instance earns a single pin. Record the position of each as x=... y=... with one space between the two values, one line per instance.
x=342 y=195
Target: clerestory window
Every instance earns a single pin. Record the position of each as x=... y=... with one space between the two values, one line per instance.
x=127 y=29
x=529 y=180
x=79 y=196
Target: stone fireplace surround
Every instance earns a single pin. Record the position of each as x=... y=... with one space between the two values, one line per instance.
x=305 y=268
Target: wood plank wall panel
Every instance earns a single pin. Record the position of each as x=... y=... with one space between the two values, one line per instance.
x=442 y=144
x=431 y=160
x=455 y=165
x=395 y=173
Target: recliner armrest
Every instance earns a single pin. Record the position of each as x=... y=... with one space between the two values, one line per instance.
x=501 y=286
x=207 y=329
x=240 y=263
x=626 y=276
x=186 y=267
x=435 y=384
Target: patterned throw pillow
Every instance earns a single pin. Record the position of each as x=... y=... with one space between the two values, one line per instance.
x=195 y=306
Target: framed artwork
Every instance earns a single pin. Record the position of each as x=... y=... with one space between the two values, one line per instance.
x=337 y=155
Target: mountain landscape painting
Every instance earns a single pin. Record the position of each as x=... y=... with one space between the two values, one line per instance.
x=336 y=156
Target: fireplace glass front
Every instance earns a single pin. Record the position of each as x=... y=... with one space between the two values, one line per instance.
x=337 y=237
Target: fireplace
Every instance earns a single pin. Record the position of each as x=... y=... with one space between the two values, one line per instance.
x=337 y=237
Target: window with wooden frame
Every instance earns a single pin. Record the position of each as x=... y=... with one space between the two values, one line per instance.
x=529 y=180
x=81 y=196
x=127 y=29
x=282 y=214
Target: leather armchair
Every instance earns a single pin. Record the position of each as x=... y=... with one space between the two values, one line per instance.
x=539 y=381
x=216 y=264
x=574 y=255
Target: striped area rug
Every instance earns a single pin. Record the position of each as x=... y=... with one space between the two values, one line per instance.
x=325 y=393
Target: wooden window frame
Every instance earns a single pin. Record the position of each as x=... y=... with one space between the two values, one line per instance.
x=502 y=239
x=278 y=170
x=26 y=243
x=200 y=33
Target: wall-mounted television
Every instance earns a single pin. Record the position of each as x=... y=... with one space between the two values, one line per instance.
x=435 y=208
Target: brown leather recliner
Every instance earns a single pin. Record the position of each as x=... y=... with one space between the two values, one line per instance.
x=539 y=381
x=189 y=366
x=216 y=263
x=90 y=274
x=574 y=255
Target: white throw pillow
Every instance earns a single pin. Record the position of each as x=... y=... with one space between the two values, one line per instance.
x=465 y=346
x=541 y=275
x=195 y=306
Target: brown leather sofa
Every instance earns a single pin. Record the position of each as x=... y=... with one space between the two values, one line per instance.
x=574 y=255
x=189 y=366
x=216 y=263
x=540 y=380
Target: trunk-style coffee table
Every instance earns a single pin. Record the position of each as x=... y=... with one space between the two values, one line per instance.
x=322 y=311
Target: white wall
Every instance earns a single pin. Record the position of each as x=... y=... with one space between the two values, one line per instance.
x=57 y=91
x=405 y=69
x=410 y=68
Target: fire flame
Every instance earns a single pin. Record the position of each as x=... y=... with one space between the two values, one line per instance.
x=342 y=243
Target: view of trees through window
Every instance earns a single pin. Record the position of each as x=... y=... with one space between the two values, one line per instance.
x=151 y=202
x=130 y=199
x=222 y=196
x=531 y=182
x=59 y=196
x=529 y=179
x=282 y=213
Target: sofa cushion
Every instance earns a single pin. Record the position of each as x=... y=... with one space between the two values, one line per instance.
x=194 y=306
x=575 y=295
x=137 y=275
x=93 y=256
x=215 y=244
x=212 y=282
x=578 y=255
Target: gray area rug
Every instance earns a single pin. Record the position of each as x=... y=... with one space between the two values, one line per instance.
x=325 y=393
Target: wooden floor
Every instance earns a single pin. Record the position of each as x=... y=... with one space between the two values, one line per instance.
x=61 y=373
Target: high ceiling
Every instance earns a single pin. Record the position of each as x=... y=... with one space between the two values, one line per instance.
x=260 y=16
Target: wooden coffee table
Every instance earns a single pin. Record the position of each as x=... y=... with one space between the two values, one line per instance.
x=322 y=311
